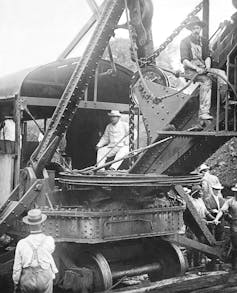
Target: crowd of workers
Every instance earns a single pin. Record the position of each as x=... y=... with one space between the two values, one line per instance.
x=213 y=208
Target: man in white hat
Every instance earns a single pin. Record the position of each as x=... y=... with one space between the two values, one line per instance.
x=34 y=268
x=208 y=180
x=114 y=142
x=214 y=204
x=195 y=56
x=230 y=206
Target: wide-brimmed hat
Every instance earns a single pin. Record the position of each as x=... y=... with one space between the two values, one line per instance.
x=217 y=185
x=234 y=188
x=195 y=20
x=114 y=113
x=203 y=167
x=34 y=217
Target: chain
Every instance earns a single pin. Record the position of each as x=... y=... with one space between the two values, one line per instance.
x=131 y=125
x=163 y=46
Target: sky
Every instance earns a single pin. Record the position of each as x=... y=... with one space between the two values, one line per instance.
x=35 y=32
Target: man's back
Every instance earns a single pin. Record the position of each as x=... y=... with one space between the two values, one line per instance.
x=33 y=251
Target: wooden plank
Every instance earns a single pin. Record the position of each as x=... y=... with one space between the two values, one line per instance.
x=213 y=289
x=48 y=102
x=198 y=133
x=229 y=290
x=180 y=284
x=202 y=225
x=186 y=242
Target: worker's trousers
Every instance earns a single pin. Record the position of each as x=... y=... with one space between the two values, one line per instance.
x=36 y=280
x=206 y=86
x=107 y=152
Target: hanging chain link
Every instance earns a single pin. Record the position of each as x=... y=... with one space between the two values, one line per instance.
x=163 y=46
x=132 y=106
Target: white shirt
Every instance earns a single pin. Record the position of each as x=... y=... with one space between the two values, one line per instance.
x=24 y=254
x=114 y=133
x=8 y=131
x=207 y=181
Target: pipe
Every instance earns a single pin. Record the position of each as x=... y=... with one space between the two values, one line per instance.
x=137 y=271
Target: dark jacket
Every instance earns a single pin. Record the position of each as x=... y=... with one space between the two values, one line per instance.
x=186 y=52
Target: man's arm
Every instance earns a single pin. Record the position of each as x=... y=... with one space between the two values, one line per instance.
x=192 y=66
x=17 y=266
x=104 y=139
x=50 y=244
x=224 y=208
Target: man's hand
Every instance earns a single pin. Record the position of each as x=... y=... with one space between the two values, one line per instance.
x=216 y=222
x=200 y=70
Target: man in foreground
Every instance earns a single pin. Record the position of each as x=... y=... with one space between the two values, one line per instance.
x=34 y=268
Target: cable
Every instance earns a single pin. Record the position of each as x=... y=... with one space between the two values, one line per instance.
x=225 y=79
x=135 y=53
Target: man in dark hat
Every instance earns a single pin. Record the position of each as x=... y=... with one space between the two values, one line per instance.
x=34 y=268
x=231 y=206
x=195 y=56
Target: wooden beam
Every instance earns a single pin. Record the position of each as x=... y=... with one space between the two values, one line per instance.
x=198 y=133
x=180 y=284
x=206 y=16
x=201 y=224
x=186 y=242
x=49 y=102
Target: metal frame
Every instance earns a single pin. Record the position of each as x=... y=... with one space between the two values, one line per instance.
x=42 y=102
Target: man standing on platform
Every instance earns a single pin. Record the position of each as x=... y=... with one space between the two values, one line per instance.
x=114 y=142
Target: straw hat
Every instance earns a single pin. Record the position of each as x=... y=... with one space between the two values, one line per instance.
x=204 y=167
x=34 y=217
x=114 y=113
x=195 y=20
x=217 y=185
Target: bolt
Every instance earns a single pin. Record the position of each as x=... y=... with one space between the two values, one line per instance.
x=38 y=187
